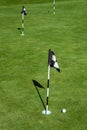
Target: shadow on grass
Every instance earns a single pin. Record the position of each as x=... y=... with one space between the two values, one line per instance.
x=20 y=30
x=38 y=85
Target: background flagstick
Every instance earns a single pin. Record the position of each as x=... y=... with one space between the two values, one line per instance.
x=22 y=24
x=54 y=7
x=23 y=12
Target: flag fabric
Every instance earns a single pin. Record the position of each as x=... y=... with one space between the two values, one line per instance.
x=52 y=60
x=24 y=11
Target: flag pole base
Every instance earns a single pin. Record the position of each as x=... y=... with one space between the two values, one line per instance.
x=54 y=13
x=22 y=34
x=46 y=112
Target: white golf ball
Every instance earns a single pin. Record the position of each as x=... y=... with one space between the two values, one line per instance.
x=64 y=110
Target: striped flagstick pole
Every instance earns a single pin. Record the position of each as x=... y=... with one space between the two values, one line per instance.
x=24 y=12
x=47 y=98
x=52 y=62
x=54 y=6
x=22 y=24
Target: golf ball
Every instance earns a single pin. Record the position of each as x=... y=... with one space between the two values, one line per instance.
x=64 y=110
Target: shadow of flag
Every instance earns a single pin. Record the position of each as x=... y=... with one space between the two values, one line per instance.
x=19 y=28
x=37 y=84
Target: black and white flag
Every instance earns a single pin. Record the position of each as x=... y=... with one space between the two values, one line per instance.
x=52 y=60
x=24 y=11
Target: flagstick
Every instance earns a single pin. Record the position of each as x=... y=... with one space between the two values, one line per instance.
x=52 y=62
x=54 y=6
x=47 y=111
x=22 y=24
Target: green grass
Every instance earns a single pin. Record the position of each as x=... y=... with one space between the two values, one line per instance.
x=16 y=2
x=23 y=58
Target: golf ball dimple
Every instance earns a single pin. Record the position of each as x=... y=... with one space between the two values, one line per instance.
x=64 y=110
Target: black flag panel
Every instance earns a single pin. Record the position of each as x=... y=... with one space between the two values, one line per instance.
x=52 y=60
x=24 y=11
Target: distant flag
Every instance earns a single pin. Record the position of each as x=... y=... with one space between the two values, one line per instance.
x=24 y=11
x=52 y=60
x=54 y=7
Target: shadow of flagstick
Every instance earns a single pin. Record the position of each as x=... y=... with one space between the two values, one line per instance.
x=36 y=84
x=20 y=29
